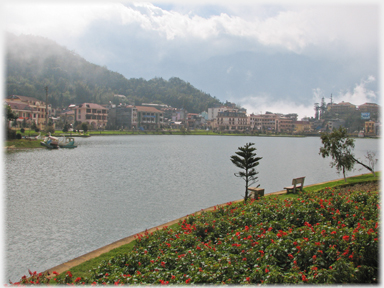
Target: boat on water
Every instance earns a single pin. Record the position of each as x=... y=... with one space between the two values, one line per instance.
x=50 y=142
x=67 y=142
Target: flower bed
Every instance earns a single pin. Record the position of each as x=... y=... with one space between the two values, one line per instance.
x=319 y=237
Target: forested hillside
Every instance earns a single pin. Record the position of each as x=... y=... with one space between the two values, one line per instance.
x=34 y=62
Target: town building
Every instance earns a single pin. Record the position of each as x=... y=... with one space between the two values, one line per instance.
x=122 y=116
x=232 y=120
x=369 y=107
x=341 y=108
x=302 y=126
x=30 y=109
x=213 y=112
x=93 y=114
x=370 y=128
x=149 y=118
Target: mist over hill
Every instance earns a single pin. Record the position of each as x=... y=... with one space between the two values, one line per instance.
x=33 y=62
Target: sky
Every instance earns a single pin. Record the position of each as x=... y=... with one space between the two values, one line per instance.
x=277 y=56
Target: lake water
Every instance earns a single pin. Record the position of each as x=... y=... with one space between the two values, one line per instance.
x=64 y=203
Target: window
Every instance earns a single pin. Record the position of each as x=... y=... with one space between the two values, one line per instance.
x=88 y=110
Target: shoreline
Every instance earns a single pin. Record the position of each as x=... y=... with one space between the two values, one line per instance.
x=61 y=268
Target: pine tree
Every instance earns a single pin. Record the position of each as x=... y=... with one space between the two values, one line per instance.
x=246 y=160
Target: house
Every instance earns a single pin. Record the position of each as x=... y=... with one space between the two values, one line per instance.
x=93 y=114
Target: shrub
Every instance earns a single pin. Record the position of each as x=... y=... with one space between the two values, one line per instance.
x=324 y=237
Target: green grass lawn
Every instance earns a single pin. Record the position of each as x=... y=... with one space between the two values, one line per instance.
x=23 y=143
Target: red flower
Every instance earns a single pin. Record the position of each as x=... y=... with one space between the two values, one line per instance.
x=266 y=270
x=290 y=256
x=77 y=279
x=188 y=280
x=248 y=279
x=314 y=257
x=346 y=237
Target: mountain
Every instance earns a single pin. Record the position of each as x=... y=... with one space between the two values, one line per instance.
x=34 y=62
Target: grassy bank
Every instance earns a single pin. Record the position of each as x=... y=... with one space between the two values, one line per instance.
x=321 y=235
x=22 y=144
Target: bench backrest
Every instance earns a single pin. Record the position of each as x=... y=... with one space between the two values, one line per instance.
x=298 y=181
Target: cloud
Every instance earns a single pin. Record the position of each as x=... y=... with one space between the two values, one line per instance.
x=292 y=28
x=360 y=94
x=262 y=103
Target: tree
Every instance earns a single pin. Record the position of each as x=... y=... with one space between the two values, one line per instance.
x=339 y=146
x=10 y=114
x=246 y=160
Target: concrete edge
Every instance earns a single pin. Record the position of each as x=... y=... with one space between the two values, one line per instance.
x=95 y=253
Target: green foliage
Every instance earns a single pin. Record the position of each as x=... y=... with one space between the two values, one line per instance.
x=34 y=62
x=50 y=129
x=323 y=237
x=11 y=116
x=246 y=160
x=339 y=146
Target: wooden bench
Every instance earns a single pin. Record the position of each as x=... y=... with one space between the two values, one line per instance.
x=297 y=184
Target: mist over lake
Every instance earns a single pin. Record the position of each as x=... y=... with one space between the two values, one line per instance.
x=62 y=204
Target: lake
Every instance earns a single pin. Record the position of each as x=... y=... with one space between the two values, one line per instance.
x=64 y=203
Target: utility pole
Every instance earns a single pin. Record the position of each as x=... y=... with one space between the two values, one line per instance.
x=46 y=106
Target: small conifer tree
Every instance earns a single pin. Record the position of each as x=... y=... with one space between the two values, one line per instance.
x=246 y=160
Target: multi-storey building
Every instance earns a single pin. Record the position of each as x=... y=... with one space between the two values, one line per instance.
x=149 y=118
x=271 y=122
x=122 y=116
x=370 y=128
x=232 y=120
x=29 y=108
x=341 y=108
x=369 y=107
x=93 y=114
x=213 y=112
x=302 y=126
